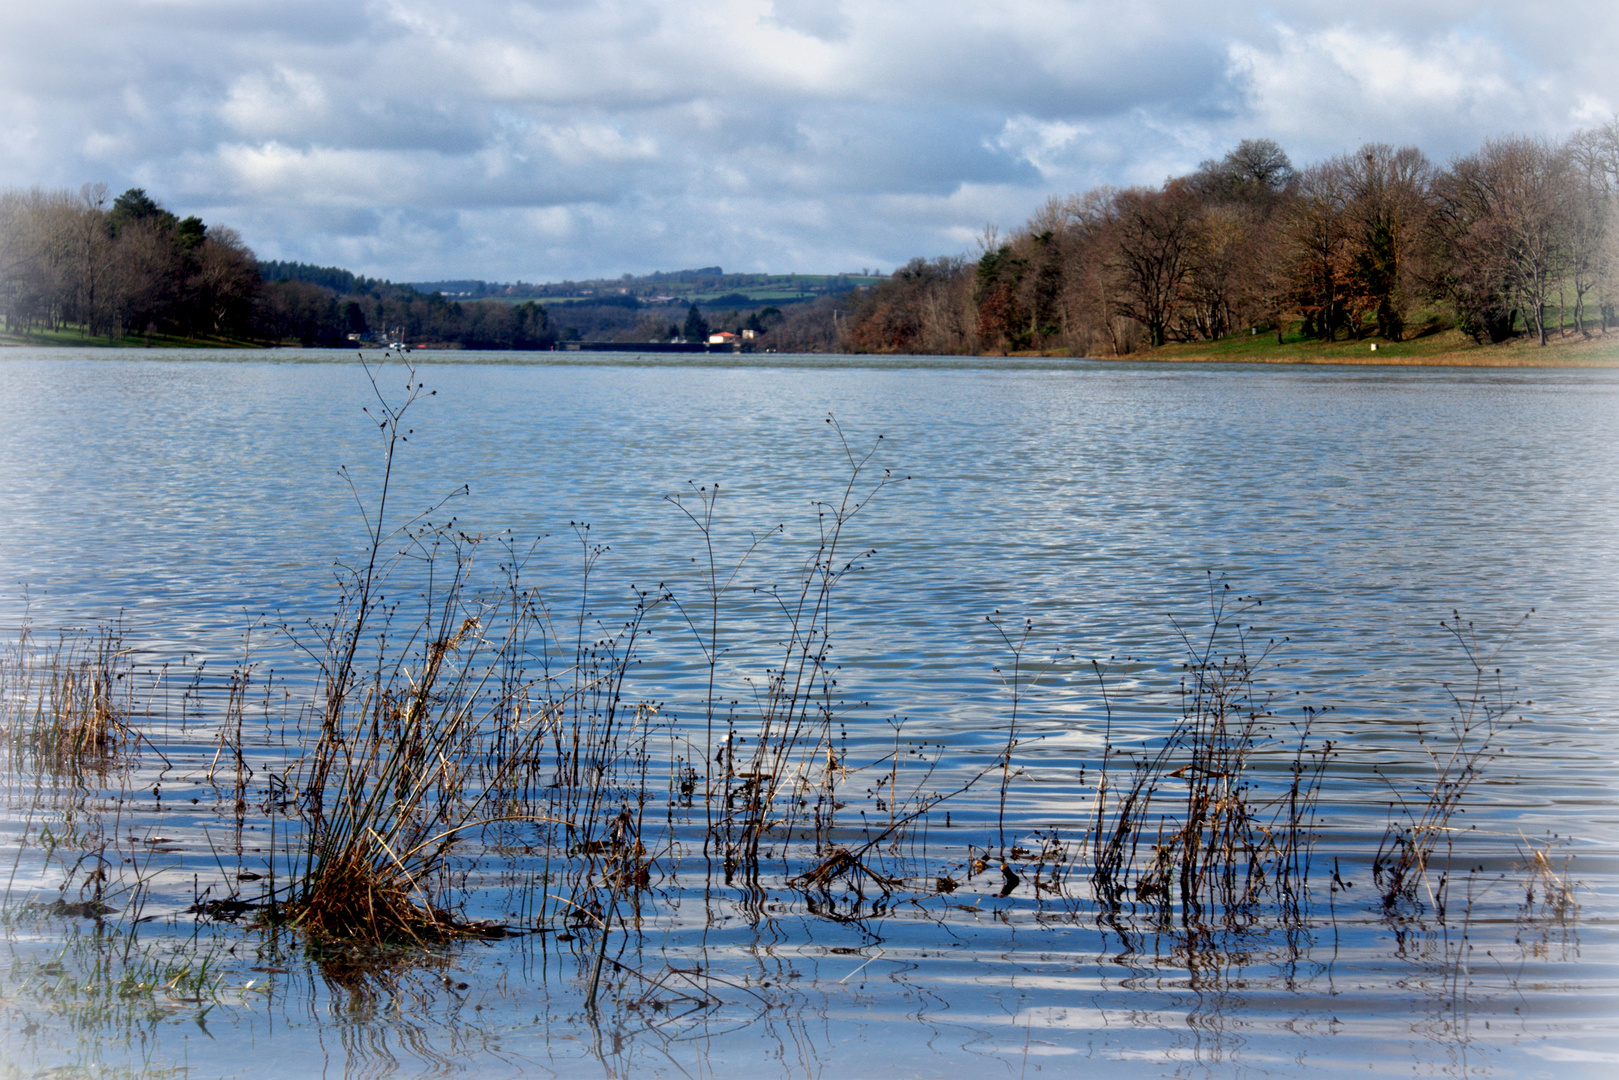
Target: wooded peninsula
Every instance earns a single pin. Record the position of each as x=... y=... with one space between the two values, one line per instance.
x=1501 y=252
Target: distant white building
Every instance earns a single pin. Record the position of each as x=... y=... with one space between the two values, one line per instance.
x=724 y=337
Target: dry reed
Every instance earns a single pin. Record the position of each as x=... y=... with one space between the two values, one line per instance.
x=1422 y=822
x=1191 y=829
x=65 y=706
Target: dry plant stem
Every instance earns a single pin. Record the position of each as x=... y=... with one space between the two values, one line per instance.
x=1015 y=685
x=1481 y=716
x=789 y=743
x=64 y=708
x=706 y=498
x=1221 y=848
x=1018 y=683
x=850 y=862
x=1557 y=903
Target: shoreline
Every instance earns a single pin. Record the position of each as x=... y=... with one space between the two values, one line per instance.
x=1591 y=353
x=1446 y=349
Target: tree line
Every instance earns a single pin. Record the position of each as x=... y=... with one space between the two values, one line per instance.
x=1521 y=237
x=112 y=268
x=115 y=268
x=78 y=265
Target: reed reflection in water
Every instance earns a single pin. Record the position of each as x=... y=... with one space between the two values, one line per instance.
x=1095 y=499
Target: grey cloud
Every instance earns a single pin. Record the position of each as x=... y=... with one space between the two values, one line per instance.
x=302 y=22
x=313 y=221
x=823 y=19
x=491 y=138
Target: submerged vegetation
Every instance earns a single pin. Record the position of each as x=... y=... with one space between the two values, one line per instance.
x=462 y=732
x=1227 y=842
x=65 y=705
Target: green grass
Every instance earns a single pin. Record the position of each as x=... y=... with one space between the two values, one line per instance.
x=75 y=336
x=1433 y=340
x=1445 y=347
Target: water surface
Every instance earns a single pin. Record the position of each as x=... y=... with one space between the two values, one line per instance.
x=198 y=496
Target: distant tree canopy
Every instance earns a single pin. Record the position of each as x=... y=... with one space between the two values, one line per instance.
x=332 y=277
x=1361 y=244
x=314 y=315
x=696 y=327
x=129 y=266
x=1511 y=239
x=125 y=267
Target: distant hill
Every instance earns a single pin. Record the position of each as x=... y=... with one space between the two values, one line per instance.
x=331 y=277
x=328 y=305
x=707 y=286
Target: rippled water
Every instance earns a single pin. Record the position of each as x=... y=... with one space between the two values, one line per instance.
x=198 y=496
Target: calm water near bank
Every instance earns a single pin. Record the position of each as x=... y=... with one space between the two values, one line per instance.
x=198 y=499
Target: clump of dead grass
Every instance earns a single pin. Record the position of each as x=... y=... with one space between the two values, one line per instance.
x=64 y=706
x=1191 y=828
x=425 y=728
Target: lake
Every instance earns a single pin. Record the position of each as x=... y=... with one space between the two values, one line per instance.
x=1051 y=535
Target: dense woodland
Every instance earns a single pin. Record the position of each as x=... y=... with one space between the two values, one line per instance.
x=111 y=269
x=1380 y=242
x=1521 y=237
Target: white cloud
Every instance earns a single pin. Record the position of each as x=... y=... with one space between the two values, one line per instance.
x=280 y=103
x=1042 y=143
x=1592 y=110
x=99 y=146
x=824 y=19
x=1362 y=85
x=552 y=138
x=583 y=144
x=274 y=172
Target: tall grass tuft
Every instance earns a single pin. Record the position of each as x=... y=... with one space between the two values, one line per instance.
x=402 y=765
x=65 y=706
x=481 y=713
x=1191 y=829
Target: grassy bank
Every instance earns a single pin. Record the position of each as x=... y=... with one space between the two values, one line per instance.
x=73 y=336
x=1446 y=348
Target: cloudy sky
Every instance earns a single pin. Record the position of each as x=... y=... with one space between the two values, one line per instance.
x=425 y=139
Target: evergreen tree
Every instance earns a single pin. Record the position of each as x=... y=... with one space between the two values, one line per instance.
x=696 y=328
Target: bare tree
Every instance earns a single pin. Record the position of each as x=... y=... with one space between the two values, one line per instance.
x=1505 y=216
x=1267 y=273
x=1594 y=163
x=147 y=273
x=13 y=262
x=38 y=258
x=1255 y=171
x=1089 y=301
x=1153 y=259
x=1318 y=239
x=1214 y=283
x=1387 y=211
x=88 y=232
x=226 y=281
